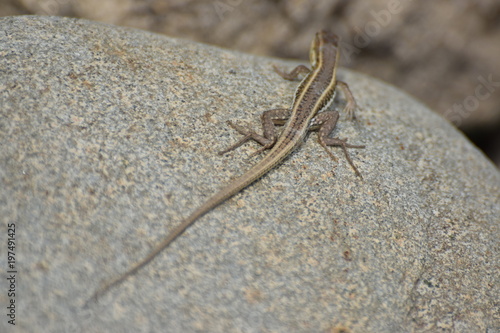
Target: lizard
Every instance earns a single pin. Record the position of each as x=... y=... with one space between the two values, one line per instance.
x=313 y=96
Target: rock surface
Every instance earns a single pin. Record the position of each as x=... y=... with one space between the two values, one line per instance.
x=109 y=137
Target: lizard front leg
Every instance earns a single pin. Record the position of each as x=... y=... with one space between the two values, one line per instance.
x=351 y=102
x=294 y=74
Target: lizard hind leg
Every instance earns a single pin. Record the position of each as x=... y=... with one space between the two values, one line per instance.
x=344 y=145
x=270 y=119
x=325 y=122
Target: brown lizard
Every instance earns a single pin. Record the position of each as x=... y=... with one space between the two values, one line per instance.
x=308 y=112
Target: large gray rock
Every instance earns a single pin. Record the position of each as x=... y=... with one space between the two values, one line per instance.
x=109 y=137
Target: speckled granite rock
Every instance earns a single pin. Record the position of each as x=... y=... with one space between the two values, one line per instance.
x=109 y=137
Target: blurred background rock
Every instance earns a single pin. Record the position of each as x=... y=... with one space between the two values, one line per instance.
x=444 y=52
